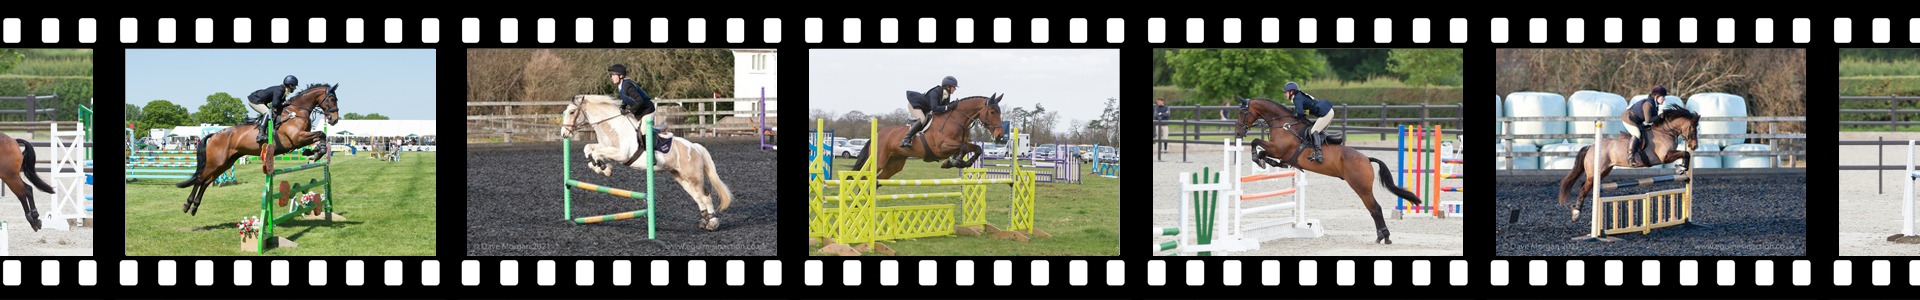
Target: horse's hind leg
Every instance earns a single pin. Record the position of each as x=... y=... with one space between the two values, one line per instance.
x=694 y=182
x=25 y=195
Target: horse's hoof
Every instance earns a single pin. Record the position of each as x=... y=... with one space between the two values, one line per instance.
x=709 y=222
x=1385 y=237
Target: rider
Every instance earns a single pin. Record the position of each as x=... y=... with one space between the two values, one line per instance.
x=1640 y=116
x=632 y=98
x=1319 y=112
x=922 y=105
x=269 y=101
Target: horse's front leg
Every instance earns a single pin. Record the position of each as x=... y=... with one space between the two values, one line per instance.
x=964 y=156
x=313 y=138
x=1262 y=155
x=597 y=159
x=1677 y=155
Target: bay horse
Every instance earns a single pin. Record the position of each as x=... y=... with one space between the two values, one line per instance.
x=16 y=157
x=947 y=136
x=1673 y=123
x=1337 y=160
x=617 y=142
x=219 y=151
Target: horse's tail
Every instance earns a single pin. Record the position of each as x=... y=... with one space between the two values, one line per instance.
x=26 y=165
x=866 y=152
x=1386 y=178
x=200 y=161
x=1579 y=169
x=713 y=176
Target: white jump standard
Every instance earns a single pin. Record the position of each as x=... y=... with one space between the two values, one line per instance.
x=1204 y=195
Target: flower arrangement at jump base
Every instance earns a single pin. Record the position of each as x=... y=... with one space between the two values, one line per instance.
x=249 y=233
x=312 y=199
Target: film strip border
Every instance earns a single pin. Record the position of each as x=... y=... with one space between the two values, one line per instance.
x=967 y=272
x=982 y=32
x=972 y=32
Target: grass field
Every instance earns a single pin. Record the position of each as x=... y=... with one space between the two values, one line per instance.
x=1083 y=218
x=389 y=207
x=1852 y=67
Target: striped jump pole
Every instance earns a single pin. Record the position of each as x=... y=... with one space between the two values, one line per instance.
x=1423 y=164
x=567 y=184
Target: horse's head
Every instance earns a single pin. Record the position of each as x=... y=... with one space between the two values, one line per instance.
x=1682 y=123
x=572 y=117
x=325 y=98
x=331 y=104
x=1259 y=112
x=989 y=113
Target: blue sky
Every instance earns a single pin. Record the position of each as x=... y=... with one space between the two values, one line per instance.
x=397 y=83
x=1074 y=82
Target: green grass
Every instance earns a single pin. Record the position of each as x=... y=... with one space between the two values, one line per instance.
x=389 y=207
x=1850 y=67
x=1083 y=218
x=55 y=62
x=1376 y=82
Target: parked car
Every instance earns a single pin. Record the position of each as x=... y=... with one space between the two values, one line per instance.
x=1083 y=152
x=1109 y=154
x=851 y=148
x=1042 y=152
x=994 y=150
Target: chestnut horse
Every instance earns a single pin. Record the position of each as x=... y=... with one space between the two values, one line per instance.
x=1287 y=132
x=946 y=137
x=219 y=151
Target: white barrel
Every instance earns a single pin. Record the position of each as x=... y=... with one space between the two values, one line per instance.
x=1562 y=162
x=1719 y=105
x=1532 y=104
x=1595 y=104
x=1747 y=161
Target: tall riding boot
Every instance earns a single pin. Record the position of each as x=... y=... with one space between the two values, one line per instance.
x=1638 y=157
x=1318 y=138
x=1635 y=158
x=907 y=140
x=262 y=128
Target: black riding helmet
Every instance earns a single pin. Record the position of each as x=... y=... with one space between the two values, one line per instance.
x=617 y=69
x=950 y=82
x=290 y=81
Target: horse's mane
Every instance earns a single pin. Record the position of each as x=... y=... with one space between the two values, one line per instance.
x=968 y=98
x=600 y=99
x=316 y=87
x=1283 y=107
x=1677 y=112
